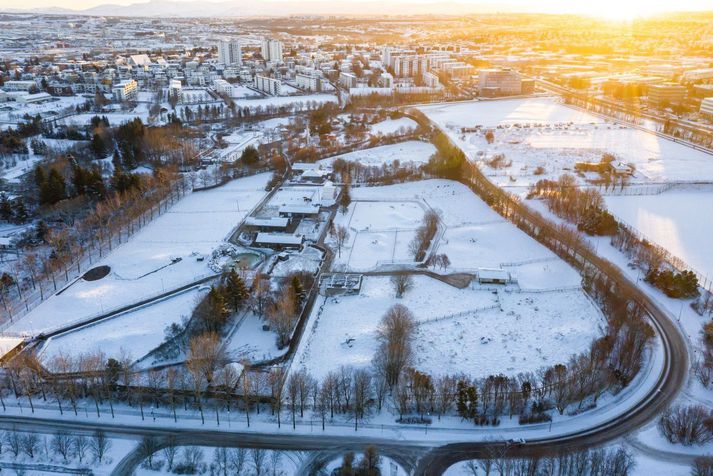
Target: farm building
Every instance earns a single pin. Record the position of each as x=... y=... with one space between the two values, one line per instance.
x=278 y=240
x=493 y=276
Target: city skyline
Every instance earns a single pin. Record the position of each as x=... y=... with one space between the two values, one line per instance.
x=607 y=9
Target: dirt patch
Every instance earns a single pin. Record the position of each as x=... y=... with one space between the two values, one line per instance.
x=97 y=273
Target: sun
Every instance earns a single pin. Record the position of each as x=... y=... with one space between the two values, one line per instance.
x=622 y=10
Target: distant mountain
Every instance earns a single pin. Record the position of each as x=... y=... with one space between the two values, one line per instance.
x=252 y=8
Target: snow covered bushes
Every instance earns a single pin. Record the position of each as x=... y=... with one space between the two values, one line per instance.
x=687 y=425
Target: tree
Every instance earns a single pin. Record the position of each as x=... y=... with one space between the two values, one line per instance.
x=341 y=235
x=62 y=444
x=147 y=447
x=235 y=289
x=250 y=156
x=99 y=445
x=370 y=462
x=345 y=198
x=395 y=334
x=206 y=355
x=402 y=283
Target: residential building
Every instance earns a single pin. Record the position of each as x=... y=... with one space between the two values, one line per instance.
x=271 y=50
x=230 y=53
x=223 y=87
x=125 y=90
x=309 y=82
x=268 y=85
x=347 y=80
x=499 y=82
x=667 y=94
x=19 y=85
x=707 y=107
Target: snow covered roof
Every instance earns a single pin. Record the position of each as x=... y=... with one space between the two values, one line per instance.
x=275 y=222
x=305 y=166
x=307 y=209
x=279 y=239
x=495 y=274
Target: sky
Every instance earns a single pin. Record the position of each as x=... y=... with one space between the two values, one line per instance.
x=606 y=8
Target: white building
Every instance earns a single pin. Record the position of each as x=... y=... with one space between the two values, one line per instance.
x=223 y=87
x=308 y=82
x=174 y=88
x=19 y=85
x=125 y=90
x=272 y=50
x=3 y=96
x=707 y=107
x=347 y=80
x=268 y=85
x=34 y=98
x=230 y=53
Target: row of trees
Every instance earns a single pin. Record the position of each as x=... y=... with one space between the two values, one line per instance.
x=61 y=447
x=584 y=207
x=176 y=459
x=589 y=462
x=424 y=235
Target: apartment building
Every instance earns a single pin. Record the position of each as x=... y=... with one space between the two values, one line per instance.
x=268 y=85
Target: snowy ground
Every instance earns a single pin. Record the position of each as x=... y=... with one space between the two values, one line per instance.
x=540 y=322
x=249 y=341
x=135 y=333
x=392 y=126
x=673 y=220
x=507 y=332
x=474 y=235
x=379 y=232
x=554 y=137
x=414 y=152
x=143 y=266
x=56 y=106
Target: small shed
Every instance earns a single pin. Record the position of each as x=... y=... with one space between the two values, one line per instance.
x=493 y=276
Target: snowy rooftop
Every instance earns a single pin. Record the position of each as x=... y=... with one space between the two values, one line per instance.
x=307 y=209
x=271 y=222
x=279 y=239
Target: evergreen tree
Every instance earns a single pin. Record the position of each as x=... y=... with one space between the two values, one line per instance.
x=235 y=289
x=5 y=207
x=54 y=188
x=20 y=212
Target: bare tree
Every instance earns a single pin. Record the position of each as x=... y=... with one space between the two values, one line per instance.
x=395 y=334
x=341 y=235
x=62 y=444
x=257 y=456
x=402 y=283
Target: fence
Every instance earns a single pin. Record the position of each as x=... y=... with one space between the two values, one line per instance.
x=458 y=314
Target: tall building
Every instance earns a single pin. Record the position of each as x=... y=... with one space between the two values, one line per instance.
x=229 y=53
x=666 y=94
x=272 y=50
x=499 y=82
x=707 y=107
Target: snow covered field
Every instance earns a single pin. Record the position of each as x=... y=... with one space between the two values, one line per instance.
x=473 y=330
x=674 y=220
x=379 y=232
x=414 y=152
x=474 y=237
x=392 y=126
x=553 y=136
x=519 y=328
x=136 y=332
x=144 y=266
